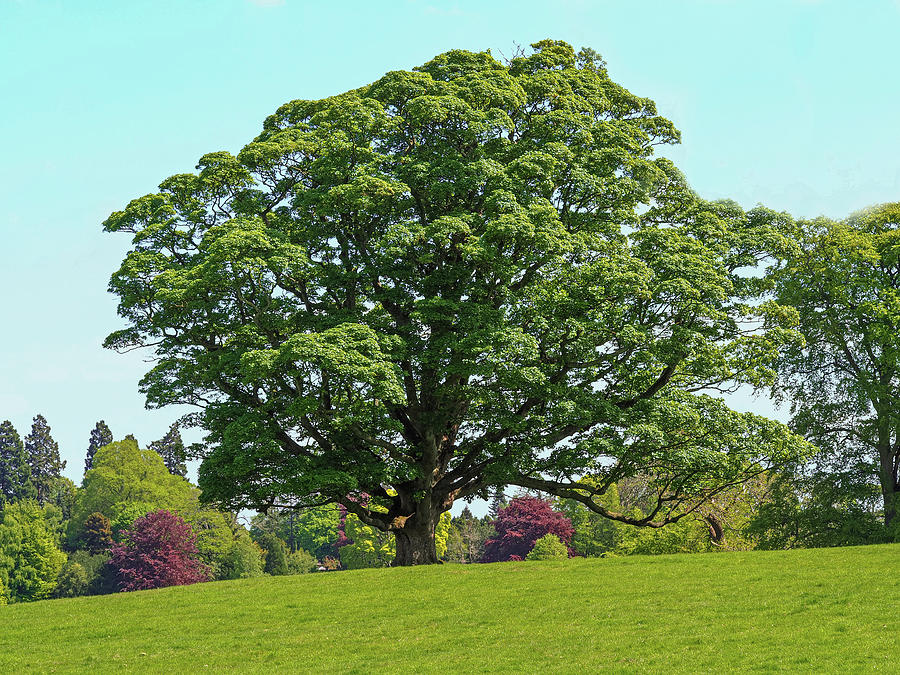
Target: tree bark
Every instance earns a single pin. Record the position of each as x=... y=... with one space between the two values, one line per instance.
x=888 y=485
x=415 y=546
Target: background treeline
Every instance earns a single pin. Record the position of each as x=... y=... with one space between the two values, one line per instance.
x=137 y=522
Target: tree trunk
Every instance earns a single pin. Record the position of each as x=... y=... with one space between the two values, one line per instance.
x=888 y=486
x=415 y=546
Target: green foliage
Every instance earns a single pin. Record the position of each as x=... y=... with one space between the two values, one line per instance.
x=594 y=535
x=171 y=448
x=42 y=453
x=469 y=275
x=100 y=436
x=370 y=548
x=466 y=538
x=548 y=547
x=301 y=562
x=72 y=581
x=63 y=494
x=123 y=516
x=314 y=530
x=3 y=598
x=844 y=382
x=688 y=535
x=125 y=484
x=814 y=506
x=244 y=559
x=96 y=536
x=15 y=474
x=442 y=534
x=100 y=578
x=30 y=561
x=215 y=532
x=276 y=562
x=598 y=536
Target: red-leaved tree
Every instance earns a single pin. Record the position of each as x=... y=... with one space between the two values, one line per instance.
x=159 y=550
x=520 y=524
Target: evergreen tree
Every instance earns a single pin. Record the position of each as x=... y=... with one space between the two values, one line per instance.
x=171 y=448
x=498 y=502
x=15 y=475
x=100 y=436
x=42 y=453
x=97 y=534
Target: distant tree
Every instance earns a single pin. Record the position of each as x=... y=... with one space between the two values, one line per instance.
x=215 y=532
x=128 y=480
x=467 y=537
x=276 y=562
x=548 y=547
x=171 y=448
x=301 y=562
x=72 y=581
x=520 y=524
x=100 y=436
x=243 y=559
x=498 y=502
x=315 y=530
x=159 y=550
x=42 y=453
x=593 y=534
x=30 y=560
x=15 y=474
x=63 y=494
x=96 y=535
x=3 y=596
x=367 y=546
x=843 y=279
x=831 y=501
x=99 y=577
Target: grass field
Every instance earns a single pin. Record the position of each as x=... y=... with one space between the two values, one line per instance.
x=826 y=610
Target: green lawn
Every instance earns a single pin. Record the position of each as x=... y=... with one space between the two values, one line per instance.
x=820 y=610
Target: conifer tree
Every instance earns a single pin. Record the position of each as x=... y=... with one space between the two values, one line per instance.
x=15 y=475
x=497 y=503
x=171 y=448
x=100 y=436
x=42 y=453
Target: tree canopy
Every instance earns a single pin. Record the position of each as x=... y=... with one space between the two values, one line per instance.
x=844 y=381
x=15 y=474
x=468 y=275
x=42 y=453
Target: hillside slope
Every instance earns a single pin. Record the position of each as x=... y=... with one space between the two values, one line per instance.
x=813 y=610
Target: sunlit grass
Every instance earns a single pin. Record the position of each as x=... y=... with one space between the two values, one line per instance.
x=815 y=610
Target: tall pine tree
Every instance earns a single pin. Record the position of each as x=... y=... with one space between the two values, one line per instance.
x=100 y=436
x=171 y=448
x=42 y=453
x=15 y=474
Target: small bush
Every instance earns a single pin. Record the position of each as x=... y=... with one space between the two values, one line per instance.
x=242 y=561
x=301 y=562
x=548 y=547
x=72 y=581
x=330 y=564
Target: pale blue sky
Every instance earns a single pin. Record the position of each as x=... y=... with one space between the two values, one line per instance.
x=790 y=103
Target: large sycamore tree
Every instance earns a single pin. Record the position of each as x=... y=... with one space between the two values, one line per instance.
x=844 y=381
x=468 y=275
